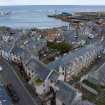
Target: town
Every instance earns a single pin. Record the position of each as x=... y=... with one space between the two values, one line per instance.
x=54 y=66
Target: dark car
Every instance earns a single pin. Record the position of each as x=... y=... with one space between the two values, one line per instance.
x=12 y=92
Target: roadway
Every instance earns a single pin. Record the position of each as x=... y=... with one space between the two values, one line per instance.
x=10 y=76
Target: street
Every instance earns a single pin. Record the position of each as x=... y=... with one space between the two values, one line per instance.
x=10 y=76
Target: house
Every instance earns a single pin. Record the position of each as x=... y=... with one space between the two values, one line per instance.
x=66 y=94
x=6 y=45
x=98 y=77
x=52 y=35
x=68 y=36
x=34 y=44
x=38 y=74
x=20 y=55
x=71 y=64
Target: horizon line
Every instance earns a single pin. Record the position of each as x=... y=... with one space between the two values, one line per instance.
x=56 y=5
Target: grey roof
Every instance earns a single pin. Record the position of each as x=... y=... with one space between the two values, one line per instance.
x=38 y=68
x=25 y=55
x=66 y=93
x=69 y=36
x=6 y=46
x=69 y=57
x=98 y=76
x=8 y=43
x=4 y=98
x=53 y=76
x=85 y=102
x=32 y=44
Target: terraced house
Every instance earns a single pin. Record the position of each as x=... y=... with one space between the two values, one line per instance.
x=98 y=77
x=6 y=45
x=71 y=64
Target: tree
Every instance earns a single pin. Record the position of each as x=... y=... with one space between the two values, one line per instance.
x=62 y=47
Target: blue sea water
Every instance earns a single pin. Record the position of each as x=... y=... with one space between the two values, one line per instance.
x=36 y=16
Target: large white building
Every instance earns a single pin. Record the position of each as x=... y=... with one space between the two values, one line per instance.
x=71 y=64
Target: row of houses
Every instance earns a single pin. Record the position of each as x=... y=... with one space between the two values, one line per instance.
x=36 y=70
x=72 y=63
x=43 y=77
x=9 y=44
x=97 y=77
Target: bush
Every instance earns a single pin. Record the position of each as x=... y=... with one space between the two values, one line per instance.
x=91 y=84
x=101 y=101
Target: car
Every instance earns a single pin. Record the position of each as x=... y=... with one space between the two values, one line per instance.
x=75 y=36
x=1 y=69
x=12 y=92
x=104 y=51
x=90 y=36
x=99 y=56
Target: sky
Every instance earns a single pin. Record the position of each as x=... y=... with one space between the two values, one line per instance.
x=52 y=2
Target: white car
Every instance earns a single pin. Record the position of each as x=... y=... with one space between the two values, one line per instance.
x=1 y=68
x=91 y=36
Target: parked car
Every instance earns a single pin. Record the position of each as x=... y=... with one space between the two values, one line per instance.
x=104 y=51
x=12 y=92
x=1 y=69
x=90 y=36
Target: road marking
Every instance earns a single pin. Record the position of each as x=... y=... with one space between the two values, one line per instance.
x=20 y=82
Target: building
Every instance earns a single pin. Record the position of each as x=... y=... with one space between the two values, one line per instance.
x=84 y=102
x=33 y=43
x=52 y=35
x=68 y=36
x=66 y=94
x=35 y=46
x=38 y=74
x=6 y=45
x=20 y=55
x=97 y=77
x=26 y=47
x=71 y=64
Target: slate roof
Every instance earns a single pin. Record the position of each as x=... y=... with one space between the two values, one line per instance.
x=69 y=36
x=66 y=93
x=67 y=59
x=25 y=55
x=7 y=42
x=6 y=46
x=98 y=75
x=53 y=76
x=85 y=102
x=38 y=68
x=32 y=44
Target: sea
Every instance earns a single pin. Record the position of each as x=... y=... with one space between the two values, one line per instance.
x=37 y=15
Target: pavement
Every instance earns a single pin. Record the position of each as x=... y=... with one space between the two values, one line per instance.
x=10 y=76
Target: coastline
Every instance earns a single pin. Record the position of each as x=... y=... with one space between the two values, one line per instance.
x=36 y=16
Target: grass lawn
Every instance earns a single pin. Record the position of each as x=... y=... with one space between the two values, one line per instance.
x=38 y=82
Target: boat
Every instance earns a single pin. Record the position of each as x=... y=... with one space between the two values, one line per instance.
x=5 y=13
